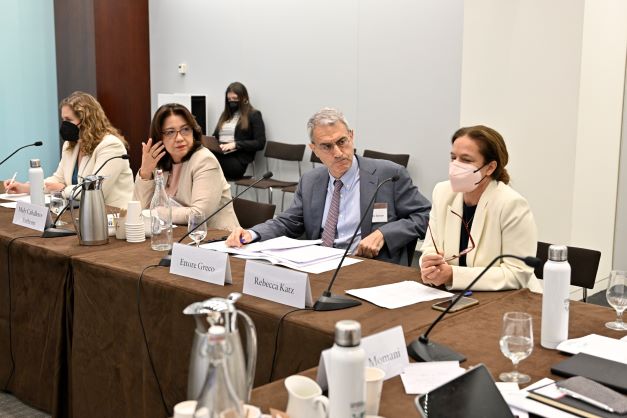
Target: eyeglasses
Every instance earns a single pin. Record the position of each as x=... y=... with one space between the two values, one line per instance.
x=171 y=133
x=329 y=147
x=466 y=251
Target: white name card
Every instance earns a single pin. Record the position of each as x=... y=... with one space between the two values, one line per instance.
x=386 y=350
x=277 y=284
x=201 y=264
x=30 y=216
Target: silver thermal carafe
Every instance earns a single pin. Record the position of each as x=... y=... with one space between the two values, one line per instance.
x=91 y=228
x=220 y=311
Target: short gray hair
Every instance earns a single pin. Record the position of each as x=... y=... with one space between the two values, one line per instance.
x=325 y=117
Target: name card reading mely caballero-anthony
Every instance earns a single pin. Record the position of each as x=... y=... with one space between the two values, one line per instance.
x=201 y=264
x=277 y=284
x=386 y=350
x=30 y=216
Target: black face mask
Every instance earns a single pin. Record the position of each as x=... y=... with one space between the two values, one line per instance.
x=234 y=106
x=69 y=131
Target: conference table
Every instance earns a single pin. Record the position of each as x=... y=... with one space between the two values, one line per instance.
x=78 y=346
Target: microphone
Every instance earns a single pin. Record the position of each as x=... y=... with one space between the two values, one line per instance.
x=53 y=231
x=34 y=144
x=167 y=259
x=422 y=349
x=329 y=302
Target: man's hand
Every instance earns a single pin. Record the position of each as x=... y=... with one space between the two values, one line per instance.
x=435 y=271
x=370 y=246
x=239 y=237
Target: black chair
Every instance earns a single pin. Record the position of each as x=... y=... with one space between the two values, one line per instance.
x=278 y=151
x=584 y=264
x=402 y=159
x=250 y=213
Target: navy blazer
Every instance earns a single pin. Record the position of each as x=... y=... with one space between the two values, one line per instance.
x=408 y=209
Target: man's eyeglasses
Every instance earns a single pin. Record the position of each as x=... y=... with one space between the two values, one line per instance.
x=328 y=147
x=171 y=133
x=466 y=251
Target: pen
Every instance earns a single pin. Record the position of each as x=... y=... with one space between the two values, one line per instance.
x=242 y=240
x=12 y=180
x=585 y=399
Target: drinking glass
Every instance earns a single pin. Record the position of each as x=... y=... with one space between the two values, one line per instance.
x=57 y=203
x=616 y=295
x=200 y=233
x=516 y=343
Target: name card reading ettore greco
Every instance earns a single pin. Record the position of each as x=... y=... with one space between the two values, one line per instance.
x=386 y=350
x=30 y=216
x=277 y=284
x=201 y=264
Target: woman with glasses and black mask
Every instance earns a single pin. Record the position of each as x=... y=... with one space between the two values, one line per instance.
x=89 y=141
x=240 y=132
x=476 y=216
x=193 y=178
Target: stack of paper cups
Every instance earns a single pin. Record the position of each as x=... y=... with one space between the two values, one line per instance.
x=134 y=223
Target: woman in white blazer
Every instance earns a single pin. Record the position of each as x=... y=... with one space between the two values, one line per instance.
x=476 y=216
x=193 y=177
x=90 y=140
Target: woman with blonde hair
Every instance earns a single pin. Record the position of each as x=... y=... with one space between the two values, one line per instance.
x=90 y=140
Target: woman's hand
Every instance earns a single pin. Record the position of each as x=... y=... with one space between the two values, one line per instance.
x=229 y=146
x=15 y=187
x=53 y=186
x=151 y=154
x=435 y=271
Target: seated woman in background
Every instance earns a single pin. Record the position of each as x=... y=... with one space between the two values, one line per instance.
x=192 y=174
x=240 y=131
x=476 y=216
x=90 y=140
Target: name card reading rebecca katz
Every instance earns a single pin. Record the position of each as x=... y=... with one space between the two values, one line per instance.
x=201 y=264
x=30 y=216
x=277 y=284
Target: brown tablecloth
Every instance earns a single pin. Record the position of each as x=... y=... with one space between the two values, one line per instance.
x=476 y=335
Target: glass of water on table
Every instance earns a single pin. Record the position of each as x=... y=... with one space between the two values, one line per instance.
x=516 y=343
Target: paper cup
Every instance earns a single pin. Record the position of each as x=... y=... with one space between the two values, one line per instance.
x=374 y=385
x=184 y=409
x=133 y=214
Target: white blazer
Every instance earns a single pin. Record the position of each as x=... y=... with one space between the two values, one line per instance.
x=117 y=187
x=503 y=224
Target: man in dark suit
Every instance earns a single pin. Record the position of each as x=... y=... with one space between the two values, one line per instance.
x=330 y=200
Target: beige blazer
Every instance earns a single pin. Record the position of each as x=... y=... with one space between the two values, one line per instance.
x=503 y=224
x=117 y=187
x=202 y=187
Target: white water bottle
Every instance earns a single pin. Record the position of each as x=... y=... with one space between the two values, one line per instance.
x=347 y=365
x=36 y=180
x=555 y=299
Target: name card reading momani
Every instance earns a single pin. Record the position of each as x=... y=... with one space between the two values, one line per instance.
x=277 y=284
x=386 y=350
x=201 y=264
x=30 y=216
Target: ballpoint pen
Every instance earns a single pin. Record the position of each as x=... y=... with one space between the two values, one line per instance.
x=12 y=180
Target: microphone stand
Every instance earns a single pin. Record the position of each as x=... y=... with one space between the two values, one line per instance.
x=166 y=261
x=34 y=144
x=422 y=349
x=53 y=231
x=328 y=301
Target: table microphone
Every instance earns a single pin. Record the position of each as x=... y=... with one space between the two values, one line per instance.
x=422 y=349
x=34 y=144
x=53 y=231
x=167 y=259
x=329 y=302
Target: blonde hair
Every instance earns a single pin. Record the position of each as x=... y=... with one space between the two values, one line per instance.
x=94 y=123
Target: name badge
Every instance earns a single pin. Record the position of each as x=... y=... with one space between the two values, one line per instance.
x=277 y=284
x=380 y=213
x=30 y=216
x=386 y=350
x=201 y=264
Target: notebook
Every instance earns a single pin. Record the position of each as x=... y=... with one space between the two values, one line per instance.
x=607 y=372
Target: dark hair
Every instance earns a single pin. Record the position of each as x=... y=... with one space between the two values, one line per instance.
x=245 y=108
x=156 y=127
x=491 y=146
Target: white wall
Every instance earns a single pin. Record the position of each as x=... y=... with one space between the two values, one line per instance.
x=620 y=230
x=550 y=77
x=393 y=67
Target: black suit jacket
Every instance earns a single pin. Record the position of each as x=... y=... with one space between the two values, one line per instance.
x=248 y=141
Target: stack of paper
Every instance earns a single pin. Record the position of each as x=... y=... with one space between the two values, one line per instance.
x=419 y=378
x=302 y=255
x=399 y=294
x=598 y=346
x=17 y=197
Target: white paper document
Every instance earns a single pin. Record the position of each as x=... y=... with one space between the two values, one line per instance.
x=281 y=243
x=12 y=196
x=419 y=378
x=399 y=294
x=597 y=345
x=10 y=205
x=520 y=401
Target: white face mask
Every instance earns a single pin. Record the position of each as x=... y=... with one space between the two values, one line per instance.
x=464 y=177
